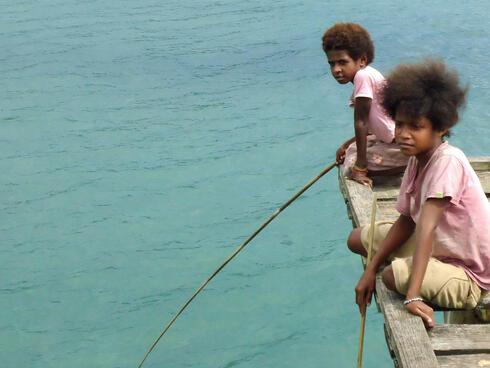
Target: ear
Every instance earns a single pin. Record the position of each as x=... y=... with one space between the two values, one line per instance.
x=363 y=60
x=443 y=132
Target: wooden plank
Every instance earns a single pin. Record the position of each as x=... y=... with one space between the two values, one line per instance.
x=460 y=339
x=386 y=193
x=359 y=197
x=484 y=180
x=485 y=300
x=406 y=332
x=386 y=211
x=464 y=361
x=480 y=163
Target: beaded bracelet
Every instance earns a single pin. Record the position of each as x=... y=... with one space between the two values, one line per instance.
x=357 y=168
x=405 y=302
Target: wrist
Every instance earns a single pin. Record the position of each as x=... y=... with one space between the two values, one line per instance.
x=372 y=267
x=412 y=293
x=411 y=300
x=360 y=164
x=360 y=168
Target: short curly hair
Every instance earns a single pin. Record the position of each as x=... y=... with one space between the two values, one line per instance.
x=425 y=89
x=352 y=38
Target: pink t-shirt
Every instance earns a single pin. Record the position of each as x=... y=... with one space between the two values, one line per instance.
x=367 y=82
x=462 y=236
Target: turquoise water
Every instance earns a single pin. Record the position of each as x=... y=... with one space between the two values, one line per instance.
x=142 y=142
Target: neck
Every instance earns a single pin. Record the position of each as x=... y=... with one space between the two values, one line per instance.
x=424 y=157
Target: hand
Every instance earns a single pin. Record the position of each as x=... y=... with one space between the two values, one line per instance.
x=364 y=289
x=340 y=155
x=361 y=177
x=422 y=310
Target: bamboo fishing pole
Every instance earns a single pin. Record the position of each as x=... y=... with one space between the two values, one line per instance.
x=370 y=250
x=304 y=189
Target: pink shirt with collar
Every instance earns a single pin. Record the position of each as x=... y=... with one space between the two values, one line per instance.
x=462 y=237
x=367 y=83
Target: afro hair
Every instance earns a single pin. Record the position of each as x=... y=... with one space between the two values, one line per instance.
x=352 y=38
x=425 y=89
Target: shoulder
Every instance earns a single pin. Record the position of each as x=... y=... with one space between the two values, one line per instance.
x=449 y=165
x=362 y=75
x=452 y=154
x=367 y=81
x=369 y=73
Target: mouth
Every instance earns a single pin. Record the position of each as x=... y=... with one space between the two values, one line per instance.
x=341 y=80
x=405 y=145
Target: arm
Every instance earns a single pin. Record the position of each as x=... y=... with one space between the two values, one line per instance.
x=399 y=233
x=361 y=117
x=431 y=213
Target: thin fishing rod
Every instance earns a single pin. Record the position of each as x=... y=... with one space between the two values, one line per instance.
x=369 y=254
x=305 y=188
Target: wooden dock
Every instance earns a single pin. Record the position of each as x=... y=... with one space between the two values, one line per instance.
x=409 y=343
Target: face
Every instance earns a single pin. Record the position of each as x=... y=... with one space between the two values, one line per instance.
x=417 y=137
x=343 y=67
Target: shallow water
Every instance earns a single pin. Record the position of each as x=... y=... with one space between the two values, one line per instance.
x=141 y=143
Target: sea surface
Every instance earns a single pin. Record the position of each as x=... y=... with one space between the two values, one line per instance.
x=141 y=142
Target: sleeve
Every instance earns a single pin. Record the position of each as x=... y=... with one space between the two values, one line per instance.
x=445 y=179
x=363 y=87
x=403 y=202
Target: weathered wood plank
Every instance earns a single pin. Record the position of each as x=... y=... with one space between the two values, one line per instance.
x=406 y=332
x=386 y=192
x=359 y=198
x=464 y=361
x=387 y=211
x=484 y=177
x=480 y=163
x=460 y=339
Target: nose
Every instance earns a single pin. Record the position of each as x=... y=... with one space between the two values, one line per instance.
x=336 y=68
x=401 y=131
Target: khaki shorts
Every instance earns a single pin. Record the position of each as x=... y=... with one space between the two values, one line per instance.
x=444 y=284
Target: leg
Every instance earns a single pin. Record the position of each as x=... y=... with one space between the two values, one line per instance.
x=354 y=242
x=389 y=278
x=444 y=284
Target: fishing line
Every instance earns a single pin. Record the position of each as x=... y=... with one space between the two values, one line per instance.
x=305 y=188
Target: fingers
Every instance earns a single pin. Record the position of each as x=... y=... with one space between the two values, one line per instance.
x=363 y=298
x=423 y=311
x=364 y=181
x=370 y=183
x=340 y=158
x=360 y=298
x=426 y=318
x=427 y=315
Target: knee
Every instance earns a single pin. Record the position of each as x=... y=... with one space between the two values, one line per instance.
x=354 y=242
x=389 y=278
